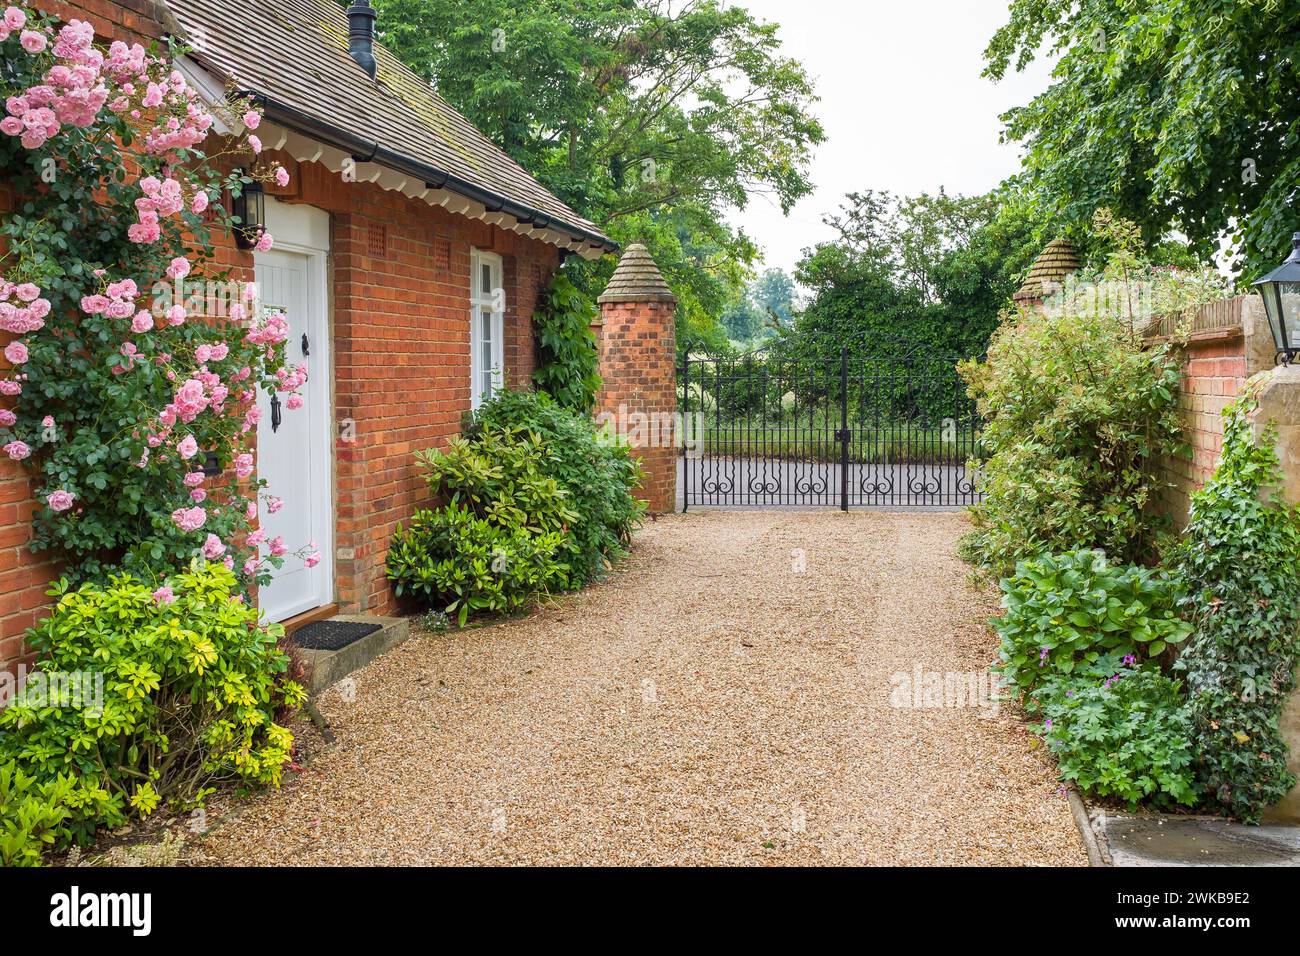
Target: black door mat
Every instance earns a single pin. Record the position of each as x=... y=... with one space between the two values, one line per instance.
x=331 y=635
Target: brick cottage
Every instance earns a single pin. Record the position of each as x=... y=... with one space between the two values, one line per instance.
x=409 y=254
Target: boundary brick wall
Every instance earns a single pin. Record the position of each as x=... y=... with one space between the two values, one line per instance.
x=1226 y=343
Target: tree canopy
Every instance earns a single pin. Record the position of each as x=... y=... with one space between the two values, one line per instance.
x=929 y=270
x=651 y=118
x=1178 y=114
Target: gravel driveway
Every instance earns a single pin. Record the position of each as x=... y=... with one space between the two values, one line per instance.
x=710 y=703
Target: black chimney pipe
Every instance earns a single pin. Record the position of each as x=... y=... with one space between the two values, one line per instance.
x=361 y=35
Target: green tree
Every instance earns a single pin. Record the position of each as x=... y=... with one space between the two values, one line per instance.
x=774 y=293
x=928 y=270
x=652 y=119
x=1178 y=114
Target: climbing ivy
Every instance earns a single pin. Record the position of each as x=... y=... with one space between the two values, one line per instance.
x=1241 y=560
x=566 y=349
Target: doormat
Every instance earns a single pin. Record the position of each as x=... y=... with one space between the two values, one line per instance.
x=331 y=635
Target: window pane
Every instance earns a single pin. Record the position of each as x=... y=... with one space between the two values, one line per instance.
x=485 y=278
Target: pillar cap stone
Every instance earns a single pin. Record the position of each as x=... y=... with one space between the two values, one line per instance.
x=1053 y=264
x=637 y=279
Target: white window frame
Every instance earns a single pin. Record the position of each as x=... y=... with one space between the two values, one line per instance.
x=496 y=302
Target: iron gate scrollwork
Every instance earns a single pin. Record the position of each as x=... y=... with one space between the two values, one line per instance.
x=890 y=429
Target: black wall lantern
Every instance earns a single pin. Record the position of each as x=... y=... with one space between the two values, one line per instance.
x=1280 y=290
x=250 y=207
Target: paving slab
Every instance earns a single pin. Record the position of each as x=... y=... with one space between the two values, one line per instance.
x=1156 y=840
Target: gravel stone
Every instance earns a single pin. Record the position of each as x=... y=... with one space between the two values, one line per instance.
x=708 y=704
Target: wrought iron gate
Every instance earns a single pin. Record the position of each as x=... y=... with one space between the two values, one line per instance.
x=887 y=430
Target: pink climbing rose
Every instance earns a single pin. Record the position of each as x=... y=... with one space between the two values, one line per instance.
x=188 y=447
x=164 y=595
x=17 y=450
x=60 y=500
x=189 y=519
x=16 y=353
x=213 y=548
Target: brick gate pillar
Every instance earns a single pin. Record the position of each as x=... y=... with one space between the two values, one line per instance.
x=638 y=369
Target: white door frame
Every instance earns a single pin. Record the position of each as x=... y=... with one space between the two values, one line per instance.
x=297 y=223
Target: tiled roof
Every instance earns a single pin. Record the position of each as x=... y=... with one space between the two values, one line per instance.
x=1058 y=260
x=637 y=279
x=295 y=54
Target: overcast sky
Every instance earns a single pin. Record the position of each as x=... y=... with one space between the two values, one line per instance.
x=902 y=100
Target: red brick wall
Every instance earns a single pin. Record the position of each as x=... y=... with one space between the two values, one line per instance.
x=1228 y=341
x=401 y=356
x=638 y=355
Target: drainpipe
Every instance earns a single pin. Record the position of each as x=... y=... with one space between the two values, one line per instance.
x=361 y=36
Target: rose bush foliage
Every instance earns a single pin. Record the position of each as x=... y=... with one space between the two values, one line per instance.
x=123 y=381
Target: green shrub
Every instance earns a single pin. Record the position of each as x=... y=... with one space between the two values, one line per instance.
x=567 y=360
x=465 y=564
x=1241 y=557
x=30 y=814
x=1075 y=613
x=1128 y=737
x=536 y=500
x=1078 y=411
x=595 y=470
x=190 y=689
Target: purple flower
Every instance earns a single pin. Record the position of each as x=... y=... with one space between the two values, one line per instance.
x=1048 y=724
x=1130 y=659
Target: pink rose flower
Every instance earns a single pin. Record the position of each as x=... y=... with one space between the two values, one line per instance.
x=294 y=402
x=312 y=559
x=281 y=176
x=32 y=41
x=254 y=144
x=142 y=322
x=213 y=548
x=252 y=119
x=17 y=450
x=164 y=595
x=189 y=519
x=16 y=353
x=60 y=500
x=243 y=465
x=179 y=268
x=15 y=19
x=7 y=418
x=188 y=447
x=28 y=292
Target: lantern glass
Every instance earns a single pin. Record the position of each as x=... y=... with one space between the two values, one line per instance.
x=1280 y=290
x=250 y=207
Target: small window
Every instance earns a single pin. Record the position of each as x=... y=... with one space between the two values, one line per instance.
x=487 y=320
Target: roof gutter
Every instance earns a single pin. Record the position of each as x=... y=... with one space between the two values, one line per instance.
x=371 y=151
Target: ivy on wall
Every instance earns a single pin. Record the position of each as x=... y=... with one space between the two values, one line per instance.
x=1241 y=561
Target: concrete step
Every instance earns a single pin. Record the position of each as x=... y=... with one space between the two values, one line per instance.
x=329 y=667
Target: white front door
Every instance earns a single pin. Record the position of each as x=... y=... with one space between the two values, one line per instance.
x=293 y=452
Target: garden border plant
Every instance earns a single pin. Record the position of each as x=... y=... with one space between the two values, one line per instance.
x=534 y=498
